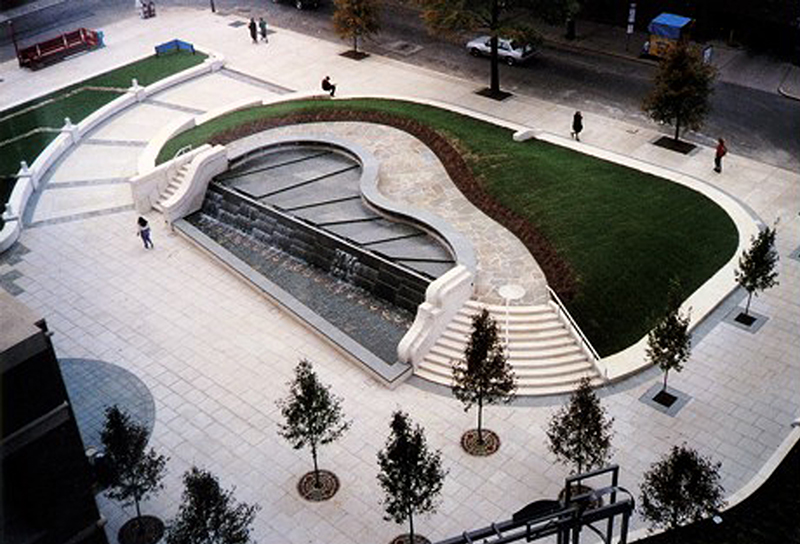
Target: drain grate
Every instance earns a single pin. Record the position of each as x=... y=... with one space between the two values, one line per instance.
x=403 y=48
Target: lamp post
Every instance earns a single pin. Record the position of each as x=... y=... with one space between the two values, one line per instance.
x=510 y=292
x=213 y=7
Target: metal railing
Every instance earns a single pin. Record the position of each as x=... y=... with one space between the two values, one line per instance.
x=185 y=149
x=588 y=347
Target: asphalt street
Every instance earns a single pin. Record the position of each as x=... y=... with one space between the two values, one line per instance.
x=757 y=123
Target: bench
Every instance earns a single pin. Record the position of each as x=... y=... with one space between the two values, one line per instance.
x=174 y=45
x=57 y=49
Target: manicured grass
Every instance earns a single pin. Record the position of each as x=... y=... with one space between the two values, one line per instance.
x=624 y=233
x=77 y=107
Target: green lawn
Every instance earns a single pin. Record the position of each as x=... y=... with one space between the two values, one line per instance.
x=624 y=233
x=76 y=107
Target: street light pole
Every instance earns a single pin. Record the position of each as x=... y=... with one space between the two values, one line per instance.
x=213 y=7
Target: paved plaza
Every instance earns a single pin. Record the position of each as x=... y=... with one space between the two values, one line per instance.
x=214 y=354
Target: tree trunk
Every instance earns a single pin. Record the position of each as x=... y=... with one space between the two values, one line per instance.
x=749 y=298
x=480 y=421
x=677 y=127
x=495 y=81
x=316 y=467
x=355 y=43
x=410 y=526
x=665 y=380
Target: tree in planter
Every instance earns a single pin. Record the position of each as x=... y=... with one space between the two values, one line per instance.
x=681 y=487
x=411 y=476
x=681 y=91
x=669 y=343
x=356 y=19
x=484 y=376
x=208 y=514
x=496 y=18
x=135 y=474
x=579 y=434
x=757 y=264
x=313 y=414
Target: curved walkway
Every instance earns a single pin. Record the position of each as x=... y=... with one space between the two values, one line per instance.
x=410 y=172
x=215 y=357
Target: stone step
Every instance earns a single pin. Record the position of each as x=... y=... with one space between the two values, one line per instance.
x=555 y=385
x=523 y=374
x=513 y=354
x=436 y=358
x=459 y=341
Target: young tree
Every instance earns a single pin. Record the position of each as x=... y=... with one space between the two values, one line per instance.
x=313 y=414
x=579 y=434
x=497 y=18
x=681 y=91
x=134 y=473
x=411 y=476
x=681 y=487
x=356 y=19
x=209 y=515
x=669 y=343
x=484 y=377
x=756 y=270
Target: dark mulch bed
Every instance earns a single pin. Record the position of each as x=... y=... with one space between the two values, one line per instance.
x=327 y=488
x=675 y=145
x=559 y=273
x=142 y=530
x=354 y=55
x=494 y=95
x=471 y=445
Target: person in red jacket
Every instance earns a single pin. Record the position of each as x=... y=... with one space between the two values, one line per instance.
x=721 y=152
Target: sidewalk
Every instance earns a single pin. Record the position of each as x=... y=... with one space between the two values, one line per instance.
x=215 y=356
x=735 y=65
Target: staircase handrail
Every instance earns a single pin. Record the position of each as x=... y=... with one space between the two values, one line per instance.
x=588 y=347
x=183 y=150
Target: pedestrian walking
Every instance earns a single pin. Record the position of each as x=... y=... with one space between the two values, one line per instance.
x=328 y=86
x=144 y=232
x=262 y=26
x=721 y=152
x=577 y=125
x=253 y=30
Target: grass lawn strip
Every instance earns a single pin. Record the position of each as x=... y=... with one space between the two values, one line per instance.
x=76 y=102
x=623 y=233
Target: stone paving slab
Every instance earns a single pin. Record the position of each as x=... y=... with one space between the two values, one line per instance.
x=138 y=123
x=87 y=162
x=62 y=203
x=204 y=93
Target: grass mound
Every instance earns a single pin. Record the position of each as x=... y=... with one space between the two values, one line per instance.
x=621 y=234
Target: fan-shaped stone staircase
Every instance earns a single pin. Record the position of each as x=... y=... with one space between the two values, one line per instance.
x=546 y=357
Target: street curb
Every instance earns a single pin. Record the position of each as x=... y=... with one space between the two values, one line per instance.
x=782 y=91
x=558 y=44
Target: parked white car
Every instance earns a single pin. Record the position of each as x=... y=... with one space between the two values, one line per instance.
x=509 y=51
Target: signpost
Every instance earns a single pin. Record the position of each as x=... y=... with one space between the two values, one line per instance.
x=631 y=20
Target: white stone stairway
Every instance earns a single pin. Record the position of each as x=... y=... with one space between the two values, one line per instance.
x=547 y=359
x=173 y=186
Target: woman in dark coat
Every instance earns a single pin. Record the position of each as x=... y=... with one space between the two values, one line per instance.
x=577 y=125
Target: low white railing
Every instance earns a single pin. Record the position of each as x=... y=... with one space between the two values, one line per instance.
x=572 y=325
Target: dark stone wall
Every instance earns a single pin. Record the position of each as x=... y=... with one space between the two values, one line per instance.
x=351 y=264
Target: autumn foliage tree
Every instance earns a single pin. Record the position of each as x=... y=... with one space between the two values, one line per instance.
x=356 y=19
x=682 y=89
x=496 y=18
